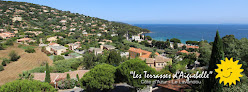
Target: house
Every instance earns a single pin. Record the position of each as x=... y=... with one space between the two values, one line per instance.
x=137 y=52
x=107 y=47
x=56 y=76
x=96 y=51
x=25 y=40
x=50 y=39
x=6 y=35
x=64 y=28
x=159 y=62
x=73 y=46
x=99 y=34
x=186 y=52
x=192 y=46
x=62 y=21
x=16 y=18
x=114 y=35
x=56 y=49
x=175 y=85
x=34 y=32
x=137 y=38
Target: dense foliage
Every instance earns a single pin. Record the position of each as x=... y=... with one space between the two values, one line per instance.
x=47 y=78
x=66 y=84
x=27 y=86
x=212 y=84
x=30 y=50
x=99 y=78
x=137 y=65
x=58 y=57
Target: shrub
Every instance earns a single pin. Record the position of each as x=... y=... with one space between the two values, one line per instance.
x=30 y=50
x=58 y=57
x=27 y=86
x=6 y=60
x=13 y=56
x=1 y=68
x=4 y=63
x=66 y=84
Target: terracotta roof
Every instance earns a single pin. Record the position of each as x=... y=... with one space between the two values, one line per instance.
x=24 y=39
x=52 y=44
x=183 y=51
x=54 y=76
x=144 y=53
x=162 y=59
x=192 y=47
x=175 y=87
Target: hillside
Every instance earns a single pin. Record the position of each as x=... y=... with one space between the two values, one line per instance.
x=26 y=62
x=21 y=16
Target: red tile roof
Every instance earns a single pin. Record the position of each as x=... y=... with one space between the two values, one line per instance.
x=55 y=76
x=194 y=47
x=145 y=54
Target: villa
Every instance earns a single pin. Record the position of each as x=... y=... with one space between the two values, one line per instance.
x=137 y=52
x=7 y=35
x=159 y=62
x=73 y=46
x=56 y=49
x=25 y=40
x=96 y=51
x=107 y=47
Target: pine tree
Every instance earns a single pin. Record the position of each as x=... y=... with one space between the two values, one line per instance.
x=68 y=76
x=47 y=79
x=212 y=84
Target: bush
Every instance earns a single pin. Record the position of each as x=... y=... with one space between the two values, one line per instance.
x=30 y=50
x=58 y=57
x=66 y=84
x=1 y=68
x=13 y=56
x=27 y=86
x=4 y=63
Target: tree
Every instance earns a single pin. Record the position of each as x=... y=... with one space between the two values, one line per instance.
x=58 y=57
x=175 y=45
x=114 y=58
x=47 y=79
x=184 y=47
x=148 y=37
x=13 y=56
x=68 y=76
x=100 y=78
x=212 y=84
x=27 y=86
x=175 y=40
x=205 y=50
x=137 y=65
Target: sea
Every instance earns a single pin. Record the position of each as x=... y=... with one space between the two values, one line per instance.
x=194 y=32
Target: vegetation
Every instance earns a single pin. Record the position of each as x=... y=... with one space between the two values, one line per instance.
x=114 y=58
x=99 y=78
x=47 y=78
x=27 y=86
x=137 y=65
x=1 y=68
x=212 y=84
x=58 y=57
x=30 y=50
x=26 y=75
x=66 y=84
x=68 y=76
x=13 y=56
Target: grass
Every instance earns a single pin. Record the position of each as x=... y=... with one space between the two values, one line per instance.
x=25 y=47
x=27 y=61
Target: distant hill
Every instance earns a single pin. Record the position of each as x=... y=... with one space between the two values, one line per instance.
x=24 y=16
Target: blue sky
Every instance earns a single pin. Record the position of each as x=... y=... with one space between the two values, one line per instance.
x=157 y=11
